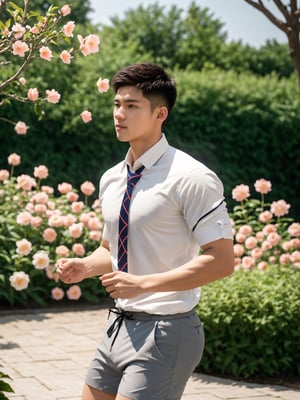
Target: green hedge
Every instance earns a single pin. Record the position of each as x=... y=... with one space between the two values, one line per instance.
x=251 y=321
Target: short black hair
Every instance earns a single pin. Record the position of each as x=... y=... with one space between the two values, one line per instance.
x=151 y=79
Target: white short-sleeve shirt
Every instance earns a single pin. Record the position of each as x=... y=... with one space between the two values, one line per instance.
x=176 y=207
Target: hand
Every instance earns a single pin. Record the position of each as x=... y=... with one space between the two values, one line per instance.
x=71 y=270
x=122 y=285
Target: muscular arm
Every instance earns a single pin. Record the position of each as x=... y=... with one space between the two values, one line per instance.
x=216 y=261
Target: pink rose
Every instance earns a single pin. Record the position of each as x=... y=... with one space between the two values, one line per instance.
x=95 y=235
x=40 y=209
x=266 y=245
x=57 y=294
x=23 y=247
x=49 y=235
x=240 y=237
x=65 y=10
x=21 y=128
x=295 y=243
x=14 y=159
x=75 y=230
x=4 y=175
x=39 y=197
x=19 y=48
x=25 y=182
x=69 y=220
x=64 y=187
x=248 y=262
x=22 y=81
x=245 y=230
x=87 y=188
x=238 y=250
x=86 y=116
x=94 y=224
x=92 y=42
x=24 y=218
x=78 y=249
x=263 y=186
x=45 y=53
x=34 y=29
x=256 y=253
x=33 y=94
x=19 y=280
x=40 y=260
x=41 y=172
x=262 y=266
x=250 y=242
x=69 y=28
x=273 y=238
x=18 y=30
x=36 y=222
x=62 y=251
x=71 y=197
x=280 y=208
x=52 y=96
x=102 y=85
x=74 y=292
x=284 y=259
x=295 y=256
x=65 y=56
x=56 y=220
x=47 y=189
x=241 y=192
x=265 y=216
x=269 y=229
x=77 y=206
x=294 y=229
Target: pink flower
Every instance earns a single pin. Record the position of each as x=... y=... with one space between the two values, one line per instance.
x=238 y=250
x=77 y=206
x=273 y=238
x=49 y=235
x=87 y=188
x=57 y=294
x=35 y=30
x=45 y=53
x=18 y=30
x=47 y=189
x=74 y=292
x=36 y=222
x=56 y=220
x=41 y=172
x=92 y=42
x=69 y=220
x=86 y=116
x=240 y=237
x=78 y=249
x=265 y=216
x=65 y=56
x=75 y=230
x=69 y=28
x=269 y=229
x=52 y=96
x=19 y=280
x=62 y=251
x=266 y=245
x=14 y=159
x=94 y=224
x=245 y=230
x=256 y=253
x=40 y=260
x=295 y=256
x=22 y=81
x=262 y=266
x=95 y=235
x=40 y=197
x=294 y=229
x=25 y=182
x=241 y=192
x=21 y=128
x=40 y=209
x=250 y=242
x=83 y=48
x=33 y=94
x=65 y=10
x=248 y=262
x=102 y=85
x=64 y=188
x=4 y=175
x=23 y=247
x=19 y=48
x=284 y=259
x=263 y=186
x=71 y=196
x=295 y=243
x=24 y=218
x=280 y=208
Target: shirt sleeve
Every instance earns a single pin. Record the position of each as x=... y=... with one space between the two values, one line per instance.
x=204 y=207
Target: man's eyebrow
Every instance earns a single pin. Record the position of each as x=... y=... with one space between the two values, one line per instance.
x=127 y=100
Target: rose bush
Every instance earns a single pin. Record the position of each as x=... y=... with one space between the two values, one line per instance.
x=263 y=234
x=38 y=225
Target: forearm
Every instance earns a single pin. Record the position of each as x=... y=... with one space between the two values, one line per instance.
x=98 y=262
x=206 y=268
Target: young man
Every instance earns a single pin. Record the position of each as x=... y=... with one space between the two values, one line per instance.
x=154 y=338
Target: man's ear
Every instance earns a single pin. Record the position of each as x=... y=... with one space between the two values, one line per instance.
x=162 y=113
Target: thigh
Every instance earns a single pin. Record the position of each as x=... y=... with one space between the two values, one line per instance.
x=90 y=393
x=165 y=362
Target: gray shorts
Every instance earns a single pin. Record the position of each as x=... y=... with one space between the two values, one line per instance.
x=146 y=357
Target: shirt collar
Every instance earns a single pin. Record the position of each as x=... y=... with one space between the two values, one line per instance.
x=150 y=157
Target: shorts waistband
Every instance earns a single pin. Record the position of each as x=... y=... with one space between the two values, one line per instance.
x=140 y=315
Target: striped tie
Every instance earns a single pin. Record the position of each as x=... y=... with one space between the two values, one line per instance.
x=132 y=179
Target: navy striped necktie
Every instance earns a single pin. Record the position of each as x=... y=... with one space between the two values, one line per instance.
x=132 y=179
